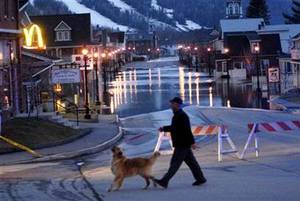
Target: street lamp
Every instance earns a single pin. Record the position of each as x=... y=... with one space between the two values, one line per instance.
x=96 y=56
x=257 y=51
x=209 y=62
x=226 y=51
x=87 y=108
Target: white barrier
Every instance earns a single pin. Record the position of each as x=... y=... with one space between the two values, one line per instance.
x=266 y=127
x=208 y=130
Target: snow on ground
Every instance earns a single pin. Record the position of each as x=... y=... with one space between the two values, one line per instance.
x=181 y=27
x=192 y=25
x=97 y=18
x=169 y=12
x=121 y=4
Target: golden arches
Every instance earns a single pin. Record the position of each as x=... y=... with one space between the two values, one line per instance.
x=29 y=38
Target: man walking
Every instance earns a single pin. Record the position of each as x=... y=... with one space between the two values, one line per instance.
x=183 y=141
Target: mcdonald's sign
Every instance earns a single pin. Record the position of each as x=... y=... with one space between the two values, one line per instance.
x=33 y=38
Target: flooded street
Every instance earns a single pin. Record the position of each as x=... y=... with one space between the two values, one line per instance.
x=145 y=87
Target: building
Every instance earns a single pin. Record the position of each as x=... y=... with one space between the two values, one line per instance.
x=65 y=35
x=142 y=43
x=234 y=9
x=290 y=67
x=10 y=55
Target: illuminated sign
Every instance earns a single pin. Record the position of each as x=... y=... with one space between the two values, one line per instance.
x=33 y=38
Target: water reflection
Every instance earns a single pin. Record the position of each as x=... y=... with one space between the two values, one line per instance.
x=181 y=83
x=211 y=102
x=138 y=90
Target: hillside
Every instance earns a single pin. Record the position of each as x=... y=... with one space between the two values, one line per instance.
x=141 y=14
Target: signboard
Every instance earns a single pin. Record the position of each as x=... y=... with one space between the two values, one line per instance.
x=273 y=75
x=65 y=76
x=78 y=59
x=33 y=38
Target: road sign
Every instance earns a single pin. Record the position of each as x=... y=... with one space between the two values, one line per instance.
x=78 y=59
x=65 y=76
x=274 y=75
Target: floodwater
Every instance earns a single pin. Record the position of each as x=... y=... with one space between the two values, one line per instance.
x=148 y=86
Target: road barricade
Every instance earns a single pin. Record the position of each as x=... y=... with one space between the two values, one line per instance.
x=255 y=128
x=220 y=131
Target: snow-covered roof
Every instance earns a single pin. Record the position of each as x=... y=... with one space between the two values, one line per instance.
x=240 y=25
x=286 y=32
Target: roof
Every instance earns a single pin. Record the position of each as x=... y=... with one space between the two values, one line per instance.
x=79 y=23
x=240 y=25
x=286 y=31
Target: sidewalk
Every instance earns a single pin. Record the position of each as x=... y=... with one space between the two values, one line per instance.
x=103 y=134
x=289 y=101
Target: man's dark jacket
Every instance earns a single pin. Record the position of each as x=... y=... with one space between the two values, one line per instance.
x=180 y=129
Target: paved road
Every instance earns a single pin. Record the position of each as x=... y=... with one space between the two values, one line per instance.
x=273 y=176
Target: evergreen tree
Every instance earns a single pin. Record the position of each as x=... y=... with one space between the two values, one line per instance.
x=294 y=18
x=258 y=9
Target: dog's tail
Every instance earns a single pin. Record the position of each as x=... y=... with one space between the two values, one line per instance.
x=154 y=157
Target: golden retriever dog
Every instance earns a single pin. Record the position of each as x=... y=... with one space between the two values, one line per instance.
x=123 y=167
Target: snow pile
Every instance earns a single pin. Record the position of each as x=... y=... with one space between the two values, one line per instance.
x=121 y=4
x=97 y=18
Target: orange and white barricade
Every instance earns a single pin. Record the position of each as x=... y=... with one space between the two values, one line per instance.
x=205 y=130
x=255 y=128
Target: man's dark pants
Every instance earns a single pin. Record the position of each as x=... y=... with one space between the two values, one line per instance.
x=183 y=155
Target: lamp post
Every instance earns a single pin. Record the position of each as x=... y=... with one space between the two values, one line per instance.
x=258 y=90
x=96 y=56
x=103 y=56
x=257 y=51
x=87 y=108
x=209 y=63
x=226 y=51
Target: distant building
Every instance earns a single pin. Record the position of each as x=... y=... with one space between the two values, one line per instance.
x=65 y=35
x=142 y=43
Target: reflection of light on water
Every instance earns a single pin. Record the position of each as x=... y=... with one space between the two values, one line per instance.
x=134 y=75
x=158 y=76
x=112 y=106
x=228 y=104
x=197 y=88
x=125 y=86
x=190 y=87
x=130 y=84
x=181 y=83
x=211 y=104
x=150 y=77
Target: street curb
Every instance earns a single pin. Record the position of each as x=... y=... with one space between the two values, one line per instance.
x=69 y=155
x=69 y=140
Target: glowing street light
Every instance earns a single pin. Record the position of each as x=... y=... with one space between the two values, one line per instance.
x=87 y=108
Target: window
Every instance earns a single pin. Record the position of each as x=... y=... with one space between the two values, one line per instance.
x=288 y=67
x=238 y=65
x=62 y=32
x=63 y=36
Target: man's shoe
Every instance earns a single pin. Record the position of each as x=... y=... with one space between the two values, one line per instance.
x=200 y=182
x=161 y=183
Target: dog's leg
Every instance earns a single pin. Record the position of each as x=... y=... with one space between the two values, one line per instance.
x=147 y=180
x=152 y=179
x=119 y=183
x=114 y=185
